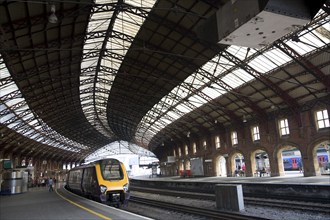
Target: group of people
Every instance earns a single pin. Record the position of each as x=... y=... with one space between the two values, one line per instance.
x=240 y=170
x=49 y=182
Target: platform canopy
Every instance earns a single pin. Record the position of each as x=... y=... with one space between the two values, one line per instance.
x=78 y=75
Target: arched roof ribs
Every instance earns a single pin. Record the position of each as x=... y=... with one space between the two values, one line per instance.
x=306 y=64
x=51 y=46
x=39 y=20
x=292 y=103
x=102 y=53
x=261 y=113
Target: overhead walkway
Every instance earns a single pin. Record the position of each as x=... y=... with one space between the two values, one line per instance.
x=39 y=203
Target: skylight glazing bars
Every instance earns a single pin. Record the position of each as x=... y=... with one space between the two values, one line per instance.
x=265 y=63
x=16 y=115
x=116 y=28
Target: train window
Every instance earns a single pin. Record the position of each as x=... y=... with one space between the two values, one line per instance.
x=284 y=127
x=322 y=119
x=75 y=176
x=111 y=170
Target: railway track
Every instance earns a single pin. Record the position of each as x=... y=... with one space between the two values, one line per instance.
x=207 y=213
x=294 y=205
x=276 y=203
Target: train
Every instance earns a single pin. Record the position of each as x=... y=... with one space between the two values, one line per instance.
x=293 y=161
x=105 y=181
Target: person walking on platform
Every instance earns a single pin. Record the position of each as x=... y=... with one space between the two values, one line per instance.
x=50 y=184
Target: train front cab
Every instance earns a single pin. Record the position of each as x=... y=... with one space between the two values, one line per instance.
x=113 y=181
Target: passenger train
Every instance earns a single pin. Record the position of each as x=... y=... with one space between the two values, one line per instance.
x=293 y=161
x=104 y=180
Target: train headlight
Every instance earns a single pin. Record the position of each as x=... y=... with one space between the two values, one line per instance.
x=103 y=188
x=126 y=187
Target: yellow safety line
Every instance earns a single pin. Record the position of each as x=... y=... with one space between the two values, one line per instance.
x=84 y=208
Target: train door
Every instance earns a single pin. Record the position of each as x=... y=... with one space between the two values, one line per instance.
x=89 y=183
x=294 y=163
x=322 y=159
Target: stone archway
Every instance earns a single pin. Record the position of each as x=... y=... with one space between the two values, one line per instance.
x=181 y=165
x=236 y=164
x=187 y=164
x=289 y=160
x=321 y=157
x=260 y=164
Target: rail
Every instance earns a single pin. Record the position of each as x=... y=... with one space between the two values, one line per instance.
x=208 y=213
x=284 y=202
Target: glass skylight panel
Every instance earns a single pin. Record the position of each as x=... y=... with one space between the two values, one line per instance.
x=158 y=124
x=183 y=108
x=85 y=86
x=231 y=80
x=182 y=92
x=240 y=52
x=5 y=90
x=146 y=4
x=12 y=102
x=316 y=41
x=200 y=81
x=223 y=66
x=277 y=56
x=299 y=47
x=243 y=75
x=28 y=117
x=88 y=63
x=92 y=44
x=166 y=121
x=262 y=64
x=174 y=114
x=209 y=66
x=212 y=93
x=99 y=21
x=3 y=70
x=102 y=15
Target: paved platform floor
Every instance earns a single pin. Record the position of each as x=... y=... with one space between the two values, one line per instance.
x=291 y=177
x=39 y=203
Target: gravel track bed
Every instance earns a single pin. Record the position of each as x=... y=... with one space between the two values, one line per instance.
x=251 y=210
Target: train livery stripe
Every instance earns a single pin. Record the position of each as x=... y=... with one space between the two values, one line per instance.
x=84 y=208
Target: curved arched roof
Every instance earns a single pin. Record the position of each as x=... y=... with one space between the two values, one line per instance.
x=138 y=71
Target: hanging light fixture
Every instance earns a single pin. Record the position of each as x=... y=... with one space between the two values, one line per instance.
x=52 y=17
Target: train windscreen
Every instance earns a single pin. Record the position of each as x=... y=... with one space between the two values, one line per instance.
x=111 y=170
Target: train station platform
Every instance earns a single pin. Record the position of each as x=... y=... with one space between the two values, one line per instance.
x=291 y=177
x=293 y=185
x=39 y=203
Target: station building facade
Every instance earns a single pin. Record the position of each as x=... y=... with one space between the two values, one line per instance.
x=244 y=149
